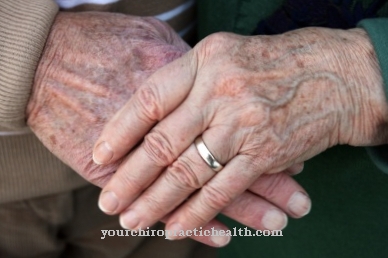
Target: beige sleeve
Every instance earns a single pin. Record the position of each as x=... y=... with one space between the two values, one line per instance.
x=24 y=27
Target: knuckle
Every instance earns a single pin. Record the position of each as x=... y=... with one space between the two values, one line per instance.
x=154 y=206
x=98 y=175
x=128 y=183
x=216 y=40
x=158 y=26
x=271 y=188
x=152 y=20
x=214 y=198
x=158 y=148
x=195 y=216
x=148 y=24
x=181 y=174
x=121 y=130
x=212 y=44
x=148 y=104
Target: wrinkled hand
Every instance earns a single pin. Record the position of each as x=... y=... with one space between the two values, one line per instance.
x=91 y=65
x=261 y=103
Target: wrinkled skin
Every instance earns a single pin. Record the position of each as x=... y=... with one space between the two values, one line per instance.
x=261 y=103
x=92 y=64
x=88 y=71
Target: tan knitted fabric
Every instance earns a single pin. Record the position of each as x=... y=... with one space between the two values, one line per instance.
x=27 y=169
x=24 y=26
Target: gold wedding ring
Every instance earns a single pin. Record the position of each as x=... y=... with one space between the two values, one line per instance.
x=206 y=155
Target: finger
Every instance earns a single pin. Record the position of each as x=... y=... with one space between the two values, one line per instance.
x=284 y=192
x=211 y=234
x=152 y=102
x=217 y=194
x=263 y=214
x=187 y=174
x=255 y=212
x=278 y=190
x=190 y=173
x=145 y=164
x=295 y=169
x=156 y=152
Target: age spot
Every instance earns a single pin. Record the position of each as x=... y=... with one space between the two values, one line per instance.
x=265 y=54
x=53 y=140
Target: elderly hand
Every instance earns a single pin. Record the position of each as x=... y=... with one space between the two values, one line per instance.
x=92 y=64
x=260 y=103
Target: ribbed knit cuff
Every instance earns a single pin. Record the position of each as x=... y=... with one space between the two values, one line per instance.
x=24 y=27
x=378 y=32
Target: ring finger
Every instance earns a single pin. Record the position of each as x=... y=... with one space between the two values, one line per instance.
x=187 y=174
x=190 y=173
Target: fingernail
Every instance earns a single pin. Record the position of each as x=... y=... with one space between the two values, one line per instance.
x=175 y=230
x=275 y=220
x=296 y=169
x=108 y=202
x=220 y=240
x=102 y=154
x=129 y=220
x=299 y=204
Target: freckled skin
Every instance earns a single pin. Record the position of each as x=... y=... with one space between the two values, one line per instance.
x=263 y=103
x=265 y=54
x=91 y=65
x=306 y=83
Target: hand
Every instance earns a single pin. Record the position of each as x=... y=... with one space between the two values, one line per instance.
x=259 y=208
x=261 y=105
x=92 y=64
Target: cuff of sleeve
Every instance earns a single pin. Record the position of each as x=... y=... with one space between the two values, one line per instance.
x=24 y=27
x=378 y=33
x=377 y=30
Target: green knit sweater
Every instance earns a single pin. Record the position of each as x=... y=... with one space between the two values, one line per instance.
x=348 y=189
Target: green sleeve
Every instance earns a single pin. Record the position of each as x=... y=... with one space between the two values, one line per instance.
x=377 y=30
x=238 y=16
